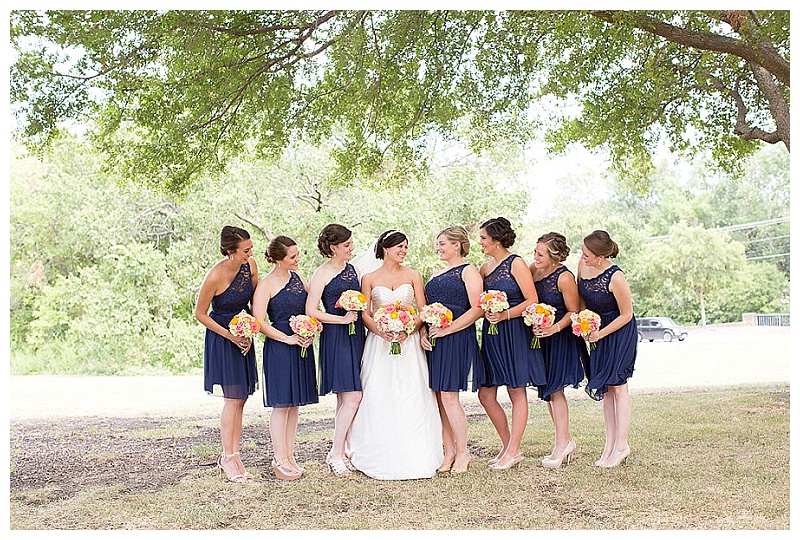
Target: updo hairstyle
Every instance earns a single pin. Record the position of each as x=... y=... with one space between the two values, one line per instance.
x=499 y=229
x=455 y=234
x=387 y=240
x=600 y=243
x=332 y=235
x=230 y=238
x=278 y=248
x=556 y=244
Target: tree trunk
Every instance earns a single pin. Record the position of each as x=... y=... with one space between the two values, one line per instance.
x=702 y=307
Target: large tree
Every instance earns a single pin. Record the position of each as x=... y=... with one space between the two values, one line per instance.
x=171 y=94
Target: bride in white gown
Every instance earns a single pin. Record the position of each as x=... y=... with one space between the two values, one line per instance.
x=397 y=432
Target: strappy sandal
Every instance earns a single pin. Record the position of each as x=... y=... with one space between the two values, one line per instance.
x=238 y=457
x=238 y=478
x=337 y=466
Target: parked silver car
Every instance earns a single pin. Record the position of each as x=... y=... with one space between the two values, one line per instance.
x=663 y=328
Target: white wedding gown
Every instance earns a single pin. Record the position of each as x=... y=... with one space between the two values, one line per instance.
x=397 y=432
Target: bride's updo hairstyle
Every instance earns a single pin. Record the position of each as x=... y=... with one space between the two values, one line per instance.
x=230 y=238
x=457 y=234
x=332 y=235
x=556 y=246
x=499 y=229
x=387 y=240
x=600 y=243
x=278 y=248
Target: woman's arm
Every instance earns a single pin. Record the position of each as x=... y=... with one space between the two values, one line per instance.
x=260 y=302
x=474 y=285
x=569 y=290
x=318 y=282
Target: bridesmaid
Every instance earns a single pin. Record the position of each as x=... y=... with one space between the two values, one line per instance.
x=604 y=290
x=555 y=286
x=289 y=379
x=457 y=287
x=507 y=357
x=339 y=351
x=228 y=289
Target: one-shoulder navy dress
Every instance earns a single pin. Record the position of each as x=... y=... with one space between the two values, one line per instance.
x=339 y=351
x=289 y=379
x=224 y=366
x=611 y=362
x=562 y=360
x=454 y=355
x=508 y=359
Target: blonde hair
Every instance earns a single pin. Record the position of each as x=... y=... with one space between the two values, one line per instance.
x=556 y=244
x=457 y=233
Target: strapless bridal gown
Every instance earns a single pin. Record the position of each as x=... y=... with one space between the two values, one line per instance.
x=397 y=432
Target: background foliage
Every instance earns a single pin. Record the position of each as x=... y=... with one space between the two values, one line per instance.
x=104 y=272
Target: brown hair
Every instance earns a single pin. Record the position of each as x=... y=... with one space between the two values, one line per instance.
x=278 y=248
x=600 y=243
x=230 y=238
x=332 y=235
x=556 y=246
x=499 y=229
x=455 y=234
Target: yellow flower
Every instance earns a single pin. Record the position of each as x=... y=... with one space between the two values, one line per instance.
x=393 y=315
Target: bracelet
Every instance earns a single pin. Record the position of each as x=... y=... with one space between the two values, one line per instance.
x=508 y=318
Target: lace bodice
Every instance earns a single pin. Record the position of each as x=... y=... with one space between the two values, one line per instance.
x=448 y=288
x=238 y=294
x=501 y=279
x=595 y=291
x=291 y=300
x=347 y=279
x=383 y=295
x=548 y=293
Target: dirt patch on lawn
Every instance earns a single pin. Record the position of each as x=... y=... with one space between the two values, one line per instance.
x=65 y=456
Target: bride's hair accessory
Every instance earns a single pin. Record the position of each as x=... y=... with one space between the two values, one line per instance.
x=372 y=259
x=389 y=239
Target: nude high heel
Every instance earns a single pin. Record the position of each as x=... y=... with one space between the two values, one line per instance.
x=238 y=478
x=555 y=462
x=622 y=457
x=511 y=462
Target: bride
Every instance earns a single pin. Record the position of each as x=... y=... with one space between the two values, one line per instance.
x=397 y=432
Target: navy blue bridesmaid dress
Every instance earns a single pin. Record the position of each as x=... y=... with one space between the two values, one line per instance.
x=611 y=362
x=223 y=363
x=339 y=351
x=508 y=359
x=562 y=360
x=454 y=355
x=289 y=379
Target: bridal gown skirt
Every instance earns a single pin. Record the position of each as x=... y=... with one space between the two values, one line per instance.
x=397 y=432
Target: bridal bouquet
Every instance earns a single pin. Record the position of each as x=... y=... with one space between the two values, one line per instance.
x=352 y=300
x=305 y=326
x=541 y=315
x=493 y=302
x=437 y=315
x=584 y=322
x=395 y=317
x=244 y=325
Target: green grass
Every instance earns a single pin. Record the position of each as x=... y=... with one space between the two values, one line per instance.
x=716 y=459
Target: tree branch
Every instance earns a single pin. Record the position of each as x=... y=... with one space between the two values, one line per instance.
x=762 y=54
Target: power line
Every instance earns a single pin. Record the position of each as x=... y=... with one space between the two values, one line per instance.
x=767 y=256
x=751 y=225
